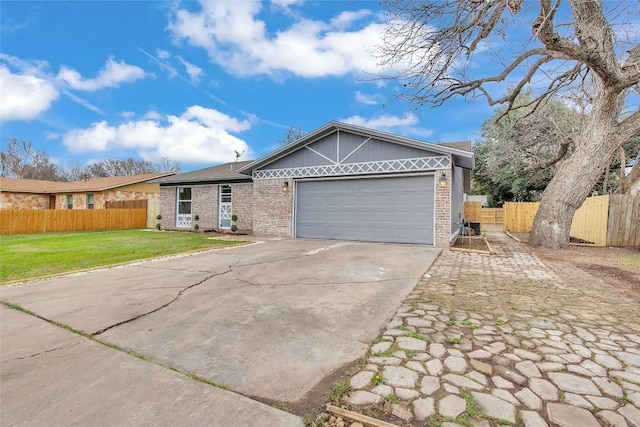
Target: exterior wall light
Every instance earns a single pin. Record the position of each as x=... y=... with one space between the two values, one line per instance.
x=442 y=181
x=285 y=186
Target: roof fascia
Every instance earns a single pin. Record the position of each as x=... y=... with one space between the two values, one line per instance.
x=247 y=180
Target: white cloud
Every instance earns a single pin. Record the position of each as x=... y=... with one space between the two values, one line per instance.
x=81 y=101
x=193 y=70
x=113 y=73
x=235 y=39
x=24 y=96
x=152 y=115
x=385 y=122
x=368 y=99
x=127 y=114
x=199 y=135
x=162 y=54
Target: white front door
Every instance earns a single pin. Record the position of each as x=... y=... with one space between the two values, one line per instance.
x=224 y=206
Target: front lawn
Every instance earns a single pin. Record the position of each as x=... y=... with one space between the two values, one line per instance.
x=27 y=256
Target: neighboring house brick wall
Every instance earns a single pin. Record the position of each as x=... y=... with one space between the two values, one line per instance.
x=23 y=201
x=443 y=213
x=273 y=207
x=242 y=205
x=168 y=208
x=118 y=195
x=79 y=201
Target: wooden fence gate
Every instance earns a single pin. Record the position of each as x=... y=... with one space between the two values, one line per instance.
x=474 y=212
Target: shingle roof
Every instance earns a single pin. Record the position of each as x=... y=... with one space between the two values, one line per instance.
x=227 y=172
x=18 y=185
x=458 y=145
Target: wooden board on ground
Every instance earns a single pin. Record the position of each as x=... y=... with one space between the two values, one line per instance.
x=355 y=417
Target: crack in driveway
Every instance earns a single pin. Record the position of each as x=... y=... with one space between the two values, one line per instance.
x=165 y=305
x=230 y=269
x=73 y=344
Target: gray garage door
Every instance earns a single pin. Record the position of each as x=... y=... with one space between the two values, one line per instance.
x=398 y=209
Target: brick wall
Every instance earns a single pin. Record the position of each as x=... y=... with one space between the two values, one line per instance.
x=168 y=207
x=273 y=207
x=443 y=212
x=242 y=205
x=204 y=203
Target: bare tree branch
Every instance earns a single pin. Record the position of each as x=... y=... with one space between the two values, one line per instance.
x=562 y=152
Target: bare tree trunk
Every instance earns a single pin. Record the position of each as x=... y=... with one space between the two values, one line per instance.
x=576 y=177
x=623 y=164
x=633 y=177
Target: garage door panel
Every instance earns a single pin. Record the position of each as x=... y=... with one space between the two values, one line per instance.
x=398 y=209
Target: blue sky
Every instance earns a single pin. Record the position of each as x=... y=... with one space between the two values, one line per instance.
x=195 y=81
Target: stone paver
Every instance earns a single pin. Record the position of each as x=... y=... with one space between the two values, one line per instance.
x=536 y=343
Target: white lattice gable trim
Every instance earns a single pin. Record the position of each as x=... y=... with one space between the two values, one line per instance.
x=363 y=168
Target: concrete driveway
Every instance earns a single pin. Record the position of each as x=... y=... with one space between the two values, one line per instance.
x=268 y=320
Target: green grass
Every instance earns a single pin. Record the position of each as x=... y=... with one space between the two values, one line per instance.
x=392 y=398
x=338 y=390
x=416 y=336
x=29 y=256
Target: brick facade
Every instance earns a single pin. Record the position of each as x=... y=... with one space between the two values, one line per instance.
x=168 y=208
x=204 y=203
x=443 y=212
x=242 y=205
x=273 y=207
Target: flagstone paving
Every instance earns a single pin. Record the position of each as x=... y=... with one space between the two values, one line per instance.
x=507 y=339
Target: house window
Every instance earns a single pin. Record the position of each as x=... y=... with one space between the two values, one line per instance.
x=184 y=200
x=225 y=194
x=89 y=201
x=183 y=217
x=69 y=201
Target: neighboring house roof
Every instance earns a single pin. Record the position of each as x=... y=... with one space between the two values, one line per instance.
x=224 y=173
x=461 y=157
x=17 y=185
x=458 y=145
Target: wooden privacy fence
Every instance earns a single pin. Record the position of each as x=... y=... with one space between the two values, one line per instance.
x=50 y=220
x=125 y=204
x=474 y=212
x=601 y=220
x=624 y=221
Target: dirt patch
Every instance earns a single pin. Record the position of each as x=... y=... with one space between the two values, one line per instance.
x=618 y=267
